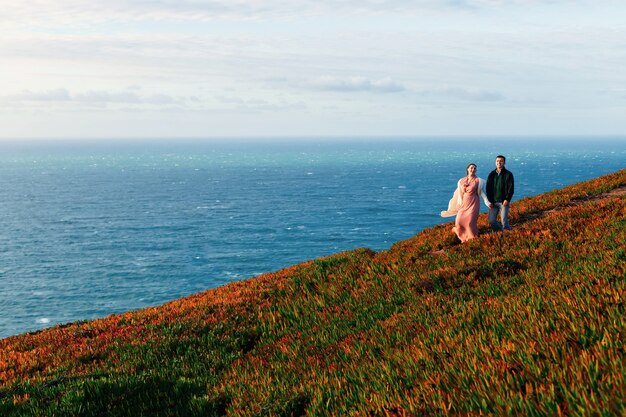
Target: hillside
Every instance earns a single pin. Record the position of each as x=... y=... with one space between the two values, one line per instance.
x=526 y=323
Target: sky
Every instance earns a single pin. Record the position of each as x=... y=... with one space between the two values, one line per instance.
x=292 y=68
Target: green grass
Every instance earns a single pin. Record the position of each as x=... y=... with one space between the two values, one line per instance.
x=526 y=323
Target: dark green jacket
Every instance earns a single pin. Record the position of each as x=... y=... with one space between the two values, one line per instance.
x=507 y=185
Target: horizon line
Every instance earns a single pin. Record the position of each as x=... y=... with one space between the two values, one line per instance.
x=281 y=138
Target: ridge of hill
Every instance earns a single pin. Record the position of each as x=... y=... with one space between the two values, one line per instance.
x=528 y=322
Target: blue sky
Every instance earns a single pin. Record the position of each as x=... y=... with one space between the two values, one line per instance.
x=222 y=68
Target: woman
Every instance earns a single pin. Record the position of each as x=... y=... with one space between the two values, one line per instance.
x=465 y=204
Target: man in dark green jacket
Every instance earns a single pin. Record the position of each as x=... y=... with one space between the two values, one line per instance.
x=500 y=187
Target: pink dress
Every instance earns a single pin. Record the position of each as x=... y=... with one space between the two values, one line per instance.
x=466 y=224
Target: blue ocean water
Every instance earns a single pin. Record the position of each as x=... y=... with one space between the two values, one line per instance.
x=94 y=228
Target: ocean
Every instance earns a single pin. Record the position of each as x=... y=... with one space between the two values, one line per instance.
x=92 y=228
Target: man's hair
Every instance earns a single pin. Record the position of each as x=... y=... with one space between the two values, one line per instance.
x=501 y=156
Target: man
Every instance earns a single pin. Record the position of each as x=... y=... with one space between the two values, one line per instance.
x=499 y=193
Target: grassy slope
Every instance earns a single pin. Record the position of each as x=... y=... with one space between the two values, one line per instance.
x=526 y=323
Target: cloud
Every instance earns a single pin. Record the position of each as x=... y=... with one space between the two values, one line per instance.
x=472 y=94
x=100 y=10
x=358 y=84
x=387 y=85
x=465 y=94
x=42 y=12
x=94 y=97
x=80 y=17
x=57 y=95
x=614 y=92
x=237 y=104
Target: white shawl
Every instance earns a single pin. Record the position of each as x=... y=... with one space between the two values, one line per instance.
x=455 y=202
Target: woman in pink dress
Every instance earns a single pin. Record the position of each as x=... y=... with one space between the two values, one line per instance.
x=466 y=204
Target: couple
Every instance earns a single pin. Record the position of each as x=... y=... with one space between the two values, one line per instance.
x=496 y=194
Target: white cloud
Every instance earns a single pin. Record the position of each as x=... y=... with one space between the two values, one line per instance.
x=72 y=11
x=468 y=94
x=356 y=84
x=46 y=13
x=60 y=94
x=231 y=104
x=99 y=98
